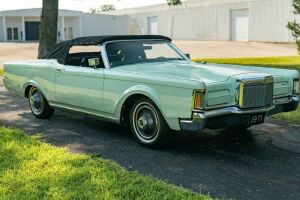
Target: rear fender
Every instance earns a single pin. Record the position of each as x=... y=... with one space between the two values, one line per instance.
x=35 y=84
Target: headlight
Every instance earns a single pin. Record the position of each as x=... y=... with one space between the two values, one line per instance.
x=296 y=87
x=198 y=99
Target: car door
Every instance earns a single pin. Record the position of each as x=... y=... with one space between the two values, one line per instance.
x=79 y=87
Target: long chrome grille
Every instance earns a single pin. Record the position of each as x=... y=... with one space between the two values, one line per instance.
x=254 y=94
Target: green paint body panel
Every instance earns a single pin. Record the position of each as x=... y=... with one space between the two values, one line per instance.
x=169 y=85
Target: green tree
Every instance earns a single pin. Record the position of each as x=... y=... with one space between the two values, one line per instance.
x=174 y=2
x=48 y=27
x=103 y=8
x=107 y=7
x=294 y=26
x=94 y=10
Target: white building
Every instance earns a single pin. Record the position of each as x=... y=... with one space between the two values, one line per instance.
x=23 y=25
x=238 y=20
x=241 y=20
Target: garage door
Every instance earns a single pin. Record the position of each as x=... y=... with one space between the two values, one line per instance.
x=152 y=26
x=32 y=30
x=240 y=25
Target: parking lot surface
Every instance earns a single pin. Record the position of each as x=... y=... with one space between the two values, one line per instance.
x=197 y=49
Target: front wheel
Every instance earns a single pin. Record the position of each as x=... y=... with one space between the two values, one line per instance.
x=148 y=125
x=38 y=104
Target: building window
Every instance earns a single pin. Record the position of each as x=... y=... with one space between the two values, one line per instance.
x=16 y=33
x=152 y=26
x=9 y=33
x=68 y=32
x=12 y=34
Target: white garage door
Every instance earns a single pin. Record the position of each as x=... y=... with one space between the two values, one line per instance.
x=152 y=26
x=240 y=25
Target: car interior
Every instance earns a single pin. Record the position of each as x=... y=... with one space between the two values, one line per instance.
x=91 y=59
x=122 y=53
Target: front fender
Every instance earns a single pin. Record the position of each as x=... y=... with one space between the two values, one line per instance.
x=141 y=90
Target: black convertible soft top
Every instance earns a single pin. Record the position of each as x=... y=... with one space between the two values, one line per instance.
x=60 y=50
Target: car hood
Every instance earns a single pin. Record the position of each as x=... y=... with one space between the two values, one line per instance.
x=206 y=73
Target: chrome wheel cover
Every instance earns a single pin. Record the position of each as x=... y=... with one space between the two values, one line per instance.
x=36 y=101
x=146 y=122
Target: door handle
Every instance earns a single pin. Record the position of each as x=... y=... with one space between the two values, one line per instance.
x=60 y=69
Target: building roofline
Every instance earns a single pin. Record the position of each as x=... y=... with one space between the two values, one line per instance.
x=38 y=8
x=185 y=5
x=35 y=12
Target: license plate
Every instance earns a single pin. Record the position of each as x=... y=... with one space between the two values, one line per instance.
x=256 y=119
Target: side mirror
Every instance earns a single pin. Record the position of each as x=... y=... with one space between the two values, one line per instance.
x=93 y=62
x=188 y=55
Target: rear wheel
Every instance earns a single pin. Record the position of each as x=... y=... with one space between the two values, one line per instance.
x=38 y=104
x=148 y=125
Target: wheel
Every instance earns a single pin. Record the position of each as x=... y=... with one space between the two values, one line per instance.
x=148 y=125
x=38 y=104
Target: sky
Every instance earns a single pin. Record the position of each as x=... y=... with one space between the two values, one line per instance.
x=81 y=5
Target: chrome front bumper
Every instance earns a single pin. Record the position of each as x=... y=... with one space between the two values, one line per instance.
x=234 y=116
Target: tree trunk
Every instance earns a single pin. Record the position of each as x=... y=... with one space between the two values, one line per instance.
x=48 y=27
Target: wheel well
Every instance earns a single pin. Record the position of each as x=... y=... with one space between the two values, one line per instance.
x=126 y=108
x=27 y=89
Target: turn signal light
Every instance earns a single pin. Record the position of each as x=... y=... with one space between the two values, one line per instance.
x=198 y=100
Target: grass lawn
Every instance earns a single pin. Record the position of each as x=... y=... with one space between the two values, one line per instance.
x=288 y=62
x=293 y=117
x=30 y=169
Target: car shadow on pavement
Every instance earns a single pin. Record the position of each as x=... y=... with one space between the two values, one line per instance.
x=65 y=128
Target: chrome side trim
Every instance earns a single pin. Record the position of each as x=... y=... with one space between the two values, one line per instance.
x=80 y=110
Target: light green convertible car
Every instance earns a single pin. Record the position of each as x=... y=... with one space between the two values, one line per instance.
x=149 y=84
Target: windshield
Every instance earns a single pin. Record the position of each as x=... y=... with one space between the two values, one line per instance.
x=133 y=52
